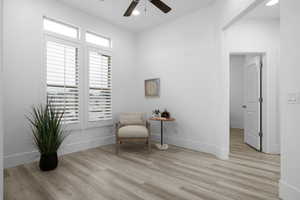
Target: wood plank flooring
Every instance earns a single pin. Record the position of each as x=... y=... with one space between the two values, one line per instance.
x=177 y=173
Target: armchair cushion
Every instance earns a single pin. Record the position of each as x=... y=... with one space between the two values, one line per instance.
x=132 y=119
x=133 y=131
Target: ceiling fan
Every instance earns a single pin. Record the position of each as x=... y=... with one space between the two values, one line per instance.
x=158 y=3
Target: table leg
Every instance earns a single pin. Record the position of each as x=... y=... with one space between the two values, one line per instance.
x=162 y=146
x=161 y=132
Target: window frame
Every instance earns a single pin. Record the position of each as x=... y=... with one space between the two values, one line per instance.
x=47 y=37
x=99 y=123
x=97 y=45
x=79 y=30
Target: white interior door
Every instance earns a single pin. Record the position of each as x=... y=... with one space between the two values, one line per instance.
x=252 y=101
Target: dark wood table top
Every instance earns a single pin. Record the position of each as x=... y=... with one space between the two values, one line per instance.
x=162 y=119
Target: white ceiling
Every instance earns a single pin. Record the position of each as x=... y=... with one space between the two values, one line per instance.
x=113 y=10
x=265 y=12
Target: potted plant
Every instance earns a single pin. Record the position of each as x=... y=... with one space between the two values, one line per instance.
x=48 y=134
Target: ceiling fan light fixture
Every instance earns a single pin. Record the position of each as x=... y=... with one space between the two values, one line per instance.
x=135 y=13
x=272 y=2
x=157 y=3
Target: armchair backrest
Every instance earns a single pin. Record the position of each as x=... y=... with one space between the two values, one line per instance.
x=132 y=119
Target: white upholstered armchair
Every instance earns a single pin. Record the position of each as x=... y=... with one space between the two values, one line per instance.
x=132 y=127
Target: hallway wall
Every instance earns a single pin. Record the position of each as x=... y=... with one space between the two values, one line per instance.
x=237 y=63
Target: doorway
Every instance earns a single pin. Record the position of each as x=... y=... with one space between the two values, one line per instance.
x=252 y=35
x=246 y=99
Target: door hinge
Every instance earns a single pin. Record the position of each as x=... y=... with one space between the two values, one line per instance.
x=260 y=134
x=260 y=100
x=261 y=63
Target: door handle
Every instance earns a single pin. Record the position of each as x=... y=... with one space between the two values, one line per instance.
x=244 y=106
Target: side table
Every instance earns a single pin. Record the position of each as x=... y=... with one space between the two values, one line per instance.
x=162 y=146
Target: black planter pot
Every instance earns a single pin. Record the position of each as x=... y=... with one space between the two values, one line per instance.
x=48 y=162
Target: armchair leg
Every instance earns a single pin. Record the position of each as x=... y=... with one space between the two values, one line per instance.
x=149 y=145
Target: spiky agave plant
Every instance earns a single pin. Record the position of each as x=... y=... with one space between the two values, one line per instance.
x=47 y=130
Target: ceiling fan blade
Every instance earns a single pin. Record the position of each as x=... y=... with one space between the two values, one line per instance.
x=161 y=5
x=131 y=7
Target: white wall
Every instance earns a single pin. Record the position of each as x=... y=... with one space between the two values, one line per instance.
x=187 y=54
x=232 y=9
x=237 y=63
x=262 y=36
x=23 y=44
x=183 y=55
x=1 y=101
x=290 y=113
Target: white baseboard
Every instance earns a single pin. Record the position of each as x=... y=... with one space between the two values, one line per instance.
x=236 y=125
x=27 y=157
x=274 y=149
x=195 y=145
x=20 y=158
x=288 y=192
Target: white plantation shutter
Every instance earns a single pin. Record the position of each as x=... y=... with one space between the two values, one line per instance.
x=63 y=79
x=100 y=107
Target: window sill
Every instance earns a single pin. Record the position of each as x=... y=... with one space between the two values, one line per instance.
x=99 y=124
x=90 y=125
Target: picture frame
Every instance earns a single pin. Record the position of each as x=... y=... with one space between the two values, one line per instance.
x=152 y=87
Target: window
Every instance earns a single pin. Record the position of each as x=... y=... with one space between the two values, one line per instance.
x=61 y=28
x=97 y=39
x=100 y=108
x=63 y=79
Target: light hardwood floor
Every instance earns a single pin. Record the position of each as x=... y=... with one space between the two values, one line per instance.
x=177 y=173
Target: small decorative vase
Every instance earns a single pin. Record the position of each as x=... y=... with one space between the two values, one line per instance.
x=156 y=113
x=165 y=114
x=48 y=162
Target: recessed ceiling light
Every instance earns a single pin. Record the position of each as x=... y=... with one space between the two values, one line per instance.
x=136 y=13
x=272 y=2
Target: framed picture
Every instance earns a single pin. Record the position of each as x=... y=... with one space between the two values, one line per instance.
x=152 y=87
